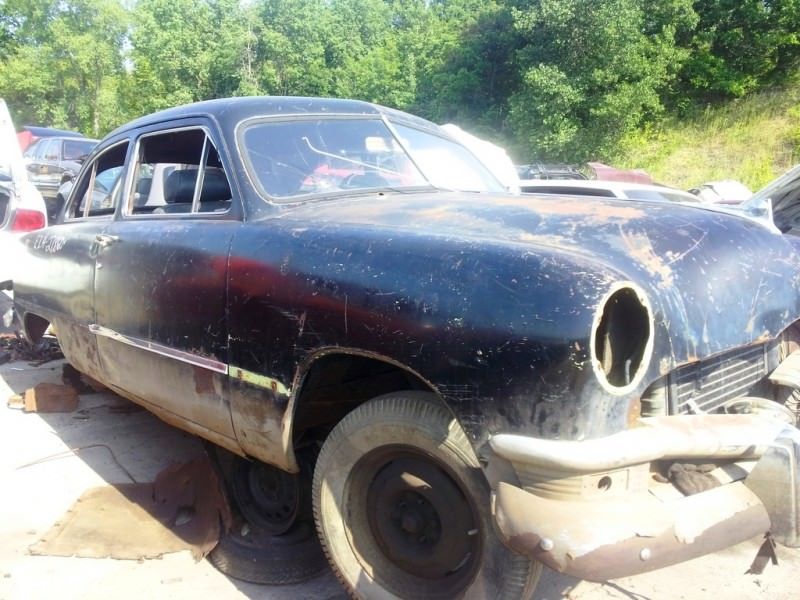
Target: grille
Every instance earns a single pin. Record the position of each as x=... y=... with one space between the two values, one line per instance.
x=705 y=386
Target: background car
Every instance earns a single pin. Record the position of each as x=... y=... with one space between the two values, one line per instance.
x=777 y=203
x=549 y=171
x=727 y=191
x=608 y=189
x=22 y=208
x=50 y=159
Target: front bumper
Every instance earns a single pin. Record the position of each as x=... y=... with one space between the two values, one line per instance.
x=592 y=509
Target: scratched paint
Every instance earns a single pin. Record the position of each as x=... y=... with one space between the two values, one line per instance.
x=489 y=299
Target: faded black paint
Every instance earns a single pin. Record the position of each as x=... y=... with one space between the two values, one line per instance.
x=490 y=299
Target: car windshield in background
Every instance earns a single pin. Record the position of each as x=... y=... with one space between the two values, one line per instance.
x=318 y=156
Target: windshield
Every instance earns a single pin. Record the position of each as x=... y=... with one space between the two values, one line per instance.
x=302 y=157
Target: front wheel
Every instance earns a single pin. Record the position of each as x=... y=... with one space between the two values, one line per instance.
x=403 y=509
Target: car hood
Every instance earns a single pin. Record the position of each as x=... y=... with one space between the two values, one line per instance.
x=715 y=281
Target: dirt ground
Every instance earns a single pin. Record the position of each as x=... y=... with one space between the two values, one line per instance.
x=42 y=474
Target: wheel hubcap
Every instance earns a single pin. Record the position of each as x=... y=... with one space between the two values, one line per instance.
x=267 y=496
x=420 y=519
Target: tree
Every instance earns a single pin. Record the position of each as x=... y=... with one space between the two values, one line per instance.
x=592 y=72
x=739 y=45
x=63 y=62
x=478 y=71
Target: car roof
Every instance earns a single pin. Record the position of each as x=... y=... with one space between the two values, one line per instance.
x=237 y=109
x=41 y=132
x=65 y=138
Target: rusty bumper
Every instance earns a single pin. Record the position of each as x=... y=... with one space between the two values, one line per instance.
x=603 y=541
x=591 y=509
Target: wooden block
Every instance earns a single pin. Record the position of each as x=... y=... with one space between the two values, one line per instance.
x=50 y=397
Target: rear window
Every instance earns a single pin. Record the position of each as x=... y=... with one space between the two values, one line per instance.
x=77 y=150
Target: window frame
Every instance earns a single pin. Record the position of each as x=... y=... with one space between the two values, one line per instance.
x=90 y=171
x=127 y=209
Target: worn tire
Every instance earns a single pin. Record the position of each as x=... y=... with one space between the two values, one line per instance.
x=270 y=559
x=427 y=529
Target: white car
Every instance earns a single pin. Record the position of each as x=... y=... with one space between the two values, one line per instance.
x=22 y=207
x=606 y=189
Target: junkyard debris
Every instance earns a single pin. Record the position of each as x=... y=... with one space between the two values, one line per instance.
x=18 y=348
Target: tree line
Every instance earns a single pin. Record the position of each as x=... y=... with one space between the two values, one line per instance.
x=549 y=79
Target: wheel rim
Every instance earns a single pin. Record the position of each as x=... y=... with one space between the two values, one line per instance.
x=424 y=527
x=267 y=496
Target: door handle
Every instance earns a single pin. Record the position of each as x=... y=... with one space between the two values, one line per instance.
x=104 y=240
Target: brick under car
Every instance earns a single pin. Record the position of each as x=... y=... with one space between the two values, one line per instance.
x=454 y=384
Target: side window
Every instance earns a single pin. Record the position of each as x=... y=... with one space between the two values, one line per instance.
x=33 y=150
x=100 y=187
x=50 y=150
x=77 y=150
x=178 y=172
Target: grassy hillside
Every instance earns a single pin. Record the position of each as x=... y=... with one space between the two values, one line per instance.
x=753 y=139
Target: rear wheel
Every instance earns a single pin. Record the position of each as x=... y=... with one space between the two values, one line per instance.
x=403 y=509
x=255 y=556
x=272 y=540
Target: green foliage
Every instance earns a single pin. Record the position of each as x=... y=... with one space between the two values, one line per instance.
x=551 y=79
x=592 y=72
x=752 y=139
x=64 y=62
x=739 y=45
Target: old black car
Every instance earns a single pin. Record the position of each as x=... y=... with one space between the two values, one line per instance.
x=480 y=383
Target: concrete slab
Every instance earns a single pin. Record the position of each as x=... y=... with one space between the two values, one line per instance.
x=48 y=460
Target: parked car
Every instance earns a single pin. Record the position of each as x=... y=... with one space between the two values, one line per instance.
x=549 y=171
x=608 y=189
x=727 y=191
x=777 y=203
x=467 y=384
x=52 y=160
x=22 y=208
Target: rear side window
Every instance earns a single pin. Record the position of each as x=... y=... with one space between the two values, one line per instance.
x=178 y=172
x=77 y=150
x=99 y=189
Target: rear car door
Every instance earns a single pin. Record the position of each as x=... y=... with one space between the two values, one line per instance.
x=161 y=281
x=62 y=257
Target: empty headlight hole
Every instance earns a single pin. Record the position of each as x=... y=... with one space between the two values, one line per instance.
x=604 y=484
x=622 y=336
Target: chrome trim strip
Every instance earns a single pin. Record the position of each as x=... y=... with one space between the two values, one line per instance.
x=186 y=357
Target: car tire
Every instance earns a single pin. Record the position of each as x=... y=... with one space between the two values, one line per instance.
x=252 y=555
x=403 y=509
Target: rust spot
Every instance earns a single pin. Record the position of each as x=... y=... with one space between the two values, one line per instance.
x=641 y=249
x=203 y=381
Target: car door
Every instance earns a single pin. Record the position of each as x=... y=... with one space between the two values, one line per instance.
x=161 y=281
x=62 y=257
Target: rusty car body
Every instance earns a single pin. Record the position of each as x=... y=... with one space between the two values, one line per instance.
x=278 y=274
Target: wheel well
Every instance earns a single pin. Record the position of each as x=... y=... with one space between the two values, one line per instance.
x=34 y=327
x=337 y=384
